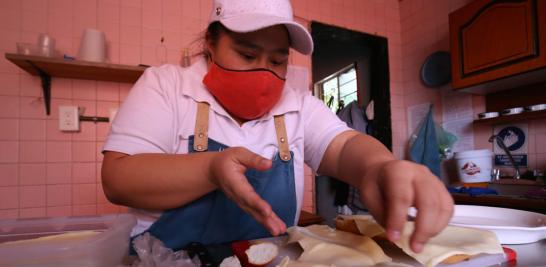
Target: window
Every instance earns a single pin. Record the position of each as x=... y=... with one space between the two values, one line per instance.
x=339 y=89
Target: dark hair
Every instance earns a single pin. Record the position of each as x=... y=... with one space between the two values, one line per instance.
x=212 y=34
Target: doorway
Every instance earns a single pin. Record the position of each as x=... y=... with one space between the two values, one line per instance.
x=337 y=50
x=349 y=65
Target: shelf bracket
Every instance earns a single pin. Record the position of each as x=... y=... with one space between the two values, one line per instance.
x=46 y=86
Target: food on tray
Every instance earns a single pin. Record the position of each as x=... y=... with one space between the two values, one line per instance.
x=324 y=245
x=452 y=245
x=232 y=261
x=262 y=253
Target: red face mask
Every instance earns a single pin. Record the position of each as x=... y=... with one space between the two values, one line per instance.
x=247 y=94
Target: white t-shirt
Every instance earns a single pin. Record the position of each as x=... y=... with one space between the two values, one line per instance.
x=158 y=116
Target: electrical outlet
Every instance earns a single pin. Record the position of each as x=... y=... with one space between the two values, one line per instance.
x=69 y=118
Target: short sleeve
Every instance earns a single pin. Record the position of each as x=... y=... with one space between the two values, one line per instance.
x=145 y=120
x=321 y=126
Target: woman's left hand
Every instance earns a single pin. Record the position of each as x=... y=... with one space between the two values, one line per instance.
x=398 y=185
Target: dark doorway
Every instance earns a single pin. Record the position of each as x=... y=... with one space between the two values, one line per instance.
x=336 y=48
x=338 y=52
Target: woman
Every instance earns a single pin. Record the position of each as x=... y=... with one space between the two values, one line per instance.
x=215 y=152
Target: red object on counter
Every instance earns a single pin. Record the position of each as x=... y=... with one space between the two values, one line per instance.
x=511 y=256
x=239 y=248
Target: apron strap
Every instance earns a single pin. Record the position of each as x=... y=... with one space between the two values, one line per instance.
x=282 y=138
x=201 y=133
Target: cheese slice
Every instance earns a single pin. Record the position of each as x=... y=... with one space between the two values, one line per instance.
x=453 y=240
x=324 y=245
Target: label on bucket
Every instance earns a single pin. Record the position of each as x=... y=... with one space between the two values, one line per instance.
x=470 y=168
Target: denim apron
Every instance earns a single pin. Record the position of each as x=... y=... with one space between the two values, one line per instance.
x=214 y=218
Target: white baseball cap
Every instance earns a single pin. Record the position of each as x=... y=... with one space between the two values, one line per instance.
x=252 y=15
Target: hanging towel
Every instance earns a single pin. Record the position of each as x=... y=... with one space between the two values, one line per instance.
x=425 y=149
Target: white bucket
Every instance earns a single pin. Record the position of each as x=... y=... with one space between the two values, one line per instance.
x=474 y=166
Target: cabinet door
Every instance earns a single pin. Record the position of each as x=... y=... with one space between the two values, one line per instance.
x=493 y=39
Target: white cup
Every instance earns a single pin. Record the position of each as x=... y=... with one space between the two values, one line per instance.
x=93 y=46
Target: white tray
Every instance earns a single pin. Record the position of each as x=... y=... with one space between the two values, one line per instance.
x=510 y=225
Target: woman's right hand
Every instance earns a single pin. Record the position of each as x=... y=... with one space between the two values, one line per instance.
x=227 y=172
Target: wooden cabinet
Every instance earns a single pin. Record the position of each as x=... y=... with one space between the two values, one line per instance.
x=498 y=39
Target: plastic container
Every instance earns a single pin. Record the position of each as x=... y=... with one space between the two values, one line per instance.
x=474 y=166
x=106 y=248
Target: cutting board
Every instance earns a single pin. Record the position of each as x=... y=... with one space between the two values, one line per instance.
x=293 y=251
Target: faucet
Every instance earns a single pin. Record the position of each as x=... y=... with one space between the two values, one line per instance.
x=503 y=146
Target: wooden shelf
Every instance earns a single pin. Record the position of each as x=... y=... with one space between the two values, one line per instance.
x=513 y=118
x=46 y=67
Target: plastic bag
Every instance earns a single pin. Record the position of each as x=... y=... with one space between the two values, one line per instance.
x=445 y=139
x=153 y=253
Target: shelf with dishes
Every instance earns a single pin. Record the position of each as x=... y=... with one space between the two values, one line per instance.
x=48 y=67
x=512 y=115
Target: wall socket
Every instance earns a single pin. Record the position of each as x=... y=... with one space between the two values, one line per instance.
x=69 y=118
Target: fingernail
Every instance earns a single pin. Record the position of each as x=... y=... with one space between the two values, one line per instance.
x=417 y=247
x=394 y=235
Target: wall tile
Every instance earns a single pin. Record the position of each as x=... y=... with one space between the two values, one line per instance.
x=32 y=174
x=540 y=141
x=83 y=151
x=9 y=130
x=32 y=196
x=59 y=173
x=131 y=16
x=9 y=151
x=54 y=134
x=107 y=208
x=108 y=91
x=9 y=174
x=59 y=151
x=32 y=130
x=34 y=20
x=9 y=197
x=32 y=213
x=103 y=108
x=10 y=84
x=33 y=108
x=83 y=173
x=59 y=211
x=30 y=85
x=61 y=88
x=88 y=132
x=84 y=89
x=84 y=194
x=9 y=107
x=9 y=214
x=59 y=195
x=32 y=151
x=84 y=210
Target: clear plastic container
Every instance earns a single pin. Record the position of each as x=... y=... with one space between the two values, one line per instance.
x=106 y=248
